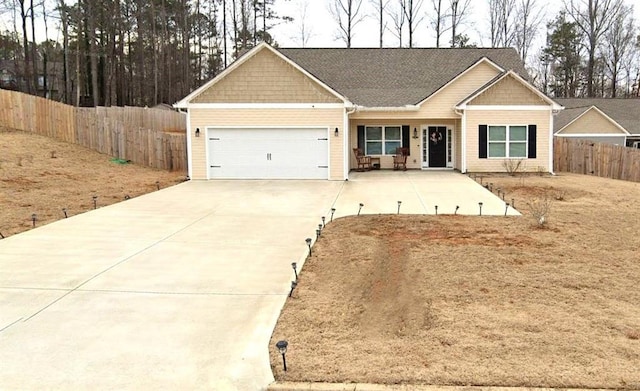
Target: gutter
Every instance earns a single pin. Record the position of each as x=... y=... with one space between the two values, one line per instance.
x=394 y=108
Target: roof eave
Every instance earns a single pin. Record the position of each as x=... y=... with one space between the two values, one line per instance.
x=388 y=108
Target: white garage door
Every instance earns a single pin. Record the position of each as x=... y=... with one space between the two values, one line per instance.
x=258 y=153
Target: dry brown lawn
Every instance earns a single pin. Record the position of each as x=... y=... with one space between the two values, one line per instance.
x=463 y=300
x=41 y=175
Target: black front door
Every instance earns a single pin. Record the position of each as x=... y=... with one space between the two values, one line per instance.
x=435 y=138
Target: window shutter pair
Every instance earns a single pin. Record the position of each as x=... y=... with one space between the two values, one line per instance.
x=483 y=136
x=406 y=130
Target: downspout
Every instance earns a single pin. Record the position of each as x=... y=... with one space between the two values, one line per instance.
x=189 y=150
x=552 y=140
x=346 y=136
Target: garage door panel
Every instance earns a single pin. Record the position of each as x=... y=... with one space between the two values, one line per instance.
x=268 y=153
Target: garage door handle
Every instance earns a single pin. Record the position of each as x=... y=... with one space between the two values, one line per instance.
x=323 y=166
x=268 y=156
x=215 y=166
x=323 y=139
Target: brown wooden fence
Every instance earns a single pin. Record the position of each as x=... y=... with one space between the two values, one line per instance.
x=599 y=159
x=150 y=137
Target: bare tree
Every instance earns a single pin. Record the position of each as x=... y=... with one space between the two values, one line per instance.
x=305 y=31
x=594 y=18
x=397 y=17
x=459 y=9
x=411 y=10
x=438 y=20
x=346 y=14
x=501 y=22
x=380 y=7
x=618 y=45
x=529 y=18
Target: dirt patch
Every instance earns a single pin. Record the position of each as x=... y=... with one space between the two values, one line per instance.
x=466 y=300
x=41 y=176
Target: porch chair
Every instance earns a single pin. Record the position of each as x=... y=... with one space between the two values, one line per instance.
x=400 y=159
x=364 y=162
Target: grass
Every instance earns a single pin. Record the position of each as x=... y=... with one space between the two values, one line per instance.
x=463 y=300
x=42 y=176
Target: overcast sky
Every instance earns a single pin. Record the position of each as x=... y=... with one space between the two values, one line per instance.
x=323 y=28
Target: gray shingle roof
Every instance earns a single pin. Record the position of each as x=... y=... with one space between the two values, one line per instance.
x=395 y=77
x=626 y=112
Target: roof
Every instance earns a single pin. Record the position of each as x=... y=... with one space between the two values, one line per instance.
x=626 y=112
x=395 y=77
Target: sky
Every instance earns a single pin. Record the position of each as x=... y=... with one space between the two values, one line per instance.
x=324 y=28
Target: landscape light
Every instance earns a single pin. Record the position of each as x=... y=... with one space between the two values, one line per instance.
x=64 y=210
x=95 y=201
x=333 y=210
x=33 y=219
x=456 y=211
x=360 y=208
x=293 y=286
x=308 y=240
x=323 y=220
x=480 y=205
x=399 y=203
x=295 y=269
x=436 y=206
x=158 y=185
x=506 y=208
x=317 y=234
x=282 y=348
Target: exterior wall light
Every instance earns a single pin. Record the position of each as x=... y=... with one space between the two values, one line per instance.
x=336 y=132
x=415 y=132
x=197 y=132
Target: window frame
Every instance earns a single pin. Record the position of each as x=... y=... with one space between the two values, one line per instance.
x=507 y=142
x=383 y=139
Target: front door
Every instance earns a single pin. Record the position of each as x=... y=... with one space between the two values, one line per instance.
x=434 y=146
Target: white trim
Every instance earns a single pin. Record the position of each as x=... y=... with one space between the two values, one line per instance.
x=465 y=103
x=392 y=108
x=505 y=108
x=346 y=134
x=447 y=127
x=507 y=142
x=189 y=148
x=569 y=135
x=384 y=138
x=265 y=106
x=463 y=144
x=240 y=127
x=550 y=144
x=474 y=65
x=617 y=125
x=183 y=103
x=329 y=135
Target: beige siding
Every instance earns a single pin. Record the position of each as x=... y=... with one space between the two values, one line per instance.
x=414 y=160
x=540 y=118
x=441 y=105
x=592 y=122
x=508 y=91
x=266 y=78
x=325 y=118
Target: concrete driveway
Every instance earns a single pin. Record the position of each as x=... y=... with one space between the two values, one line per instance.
x=181 y=288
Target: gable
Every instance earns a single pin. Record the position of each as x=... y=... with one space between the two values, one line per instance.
x=443 y=102
x=592 y=122
x=265 y=78
x=508 y=92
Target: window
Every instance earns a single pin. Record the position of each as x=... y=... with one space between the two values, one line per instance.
x=507 y=141
x=382 y=140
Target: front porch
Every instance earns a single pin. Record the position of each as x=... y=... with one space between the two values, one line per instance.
x=434 y=144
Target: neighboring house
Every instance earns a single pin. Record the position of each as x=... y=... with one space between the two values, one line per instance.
x=298 y=113
x=9 y=79
x=604 y=120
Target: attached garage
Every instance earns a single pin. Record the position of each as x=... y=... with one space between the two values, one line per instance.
x=268 y=153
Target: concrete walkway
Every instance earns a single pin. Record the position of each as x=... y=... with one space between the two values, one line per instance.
x=181 y=288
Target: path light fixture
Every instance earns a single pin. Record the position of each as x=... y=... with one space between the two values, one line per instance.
x=333 y=210
x=64 y=211
x=399 y=203
x=360 y=208
x=513 y=203
x=158 y=185
x=318 y=232
x=1 y=235
x=320 y=227
x=456 y=211
x=95 y=201
x=506 y=208
x=295 y=269
x=293 y=286
x=282 y=348
x=436 y=209
x=127 y=196
x=308 y=240
x=480 y=205
x=34 y=217
x=323 y=222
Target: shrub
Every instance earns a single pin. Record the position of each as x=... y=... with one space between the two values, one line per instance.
x=513 y=166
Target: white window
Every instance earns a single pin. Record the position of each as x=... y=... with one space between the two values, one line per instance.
x=508 y=141
x=382 y=140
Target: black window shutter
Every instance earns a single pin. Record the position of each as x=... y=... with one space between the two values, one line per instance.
x=361 y=137
x=532 y=141
x=406 y=136
x=482 y=141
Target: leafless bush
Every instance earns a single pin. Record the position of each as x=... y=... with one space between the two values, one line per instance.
x=513 y=166
x=540 y=208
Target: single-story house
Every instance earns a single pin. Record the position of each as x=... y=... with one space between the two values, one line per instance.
x=299 y=113
x=604 y=120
